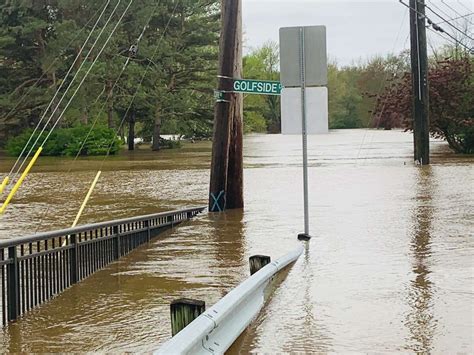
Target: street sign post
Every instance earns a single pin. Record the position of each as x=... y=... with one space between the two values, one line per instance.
x=303 y=62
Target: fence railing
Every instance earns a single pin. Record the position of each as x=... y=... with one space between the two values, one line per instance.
x=34 y=269
x=215 y=330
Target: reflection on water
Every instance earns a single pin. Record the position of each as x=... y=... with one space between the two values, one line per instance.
x=390 y=268
x=421 y=321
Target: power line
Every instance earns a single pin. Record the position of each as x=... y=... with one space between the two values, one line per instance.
x=141 y=81
x=52 y=64
x=19 y=182
x=57 y=92
x=97 y=116
x=451 y=40
x=89 y=70
x=437 y=27
x=460 y=3
x=449 y=23
x=458 y=18
x=67 y=90
x=381 y=87
x=455 y=11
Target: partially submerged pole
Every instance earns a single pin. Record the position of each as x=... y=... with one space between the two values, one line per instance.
x=184 y=311
x=226 y=167
x=256 y=262
x=419 y=70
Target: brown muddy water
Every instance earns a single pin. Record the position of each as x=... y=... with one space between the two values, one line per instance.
x=390 y=268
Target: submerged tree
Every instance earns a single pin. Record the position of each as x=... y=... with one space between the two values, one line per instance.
x=451 y=103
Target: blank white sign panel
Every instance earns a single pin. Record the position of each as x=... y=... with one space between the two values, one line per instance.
x=316 y=110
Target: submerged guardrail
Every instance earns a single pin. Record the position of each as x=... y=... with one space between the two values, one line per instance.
x=34 y=269
x=215 y=330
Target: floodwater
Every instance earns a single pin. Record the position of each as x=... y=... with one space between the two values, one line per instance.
x=389 y=269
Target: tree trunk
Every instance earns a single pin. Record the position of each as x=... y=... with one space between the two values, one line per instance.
x=85 y=116
x=110 y=104
x=157 y=130
x=122 y=133
x=131 y=131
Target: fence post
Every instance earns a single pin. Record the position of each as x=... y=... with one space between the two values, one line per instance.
x=148 y=235
x=257 y=262
x=116 y=242
x=74 y=266
x=13 y=285
x=184 y=311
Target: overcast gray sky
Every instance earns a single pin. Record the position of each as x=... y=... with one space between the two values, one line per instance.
x=355 y=29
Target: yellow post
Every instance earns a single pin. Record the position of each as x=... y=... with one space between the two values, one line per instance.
x=20 y=181
x=4 y=184
x=88 y=196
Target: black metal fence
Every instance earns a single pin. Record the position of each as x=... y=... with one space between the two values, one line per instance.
x=35 y=269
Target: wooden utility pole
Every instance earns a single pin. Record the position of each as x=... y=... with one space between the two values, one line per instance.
x=226 y=186
x=419 y=69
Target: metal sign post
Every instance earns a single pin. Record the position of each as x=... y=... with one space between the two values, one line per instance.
x=300 y=46
x=305 y=235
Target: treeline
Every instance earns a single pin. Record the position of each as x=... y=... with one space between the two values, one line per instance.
x=166 y=87
x=352 y=89
x=451 y=101
x=377 y=93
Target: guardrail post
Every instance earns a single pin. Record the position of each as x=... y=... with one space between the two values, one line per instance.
x=148 y=235
x=184 y=311
x=74 y=266
x=257 y=262
x=116 y=242
x=13 y=285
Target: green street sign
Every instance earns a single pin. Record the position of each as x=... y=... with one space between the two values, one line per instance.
x=218 y=95
x=262 y=87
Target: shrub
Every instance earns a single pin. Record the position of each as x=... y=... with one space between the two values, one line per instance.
x=68 y=142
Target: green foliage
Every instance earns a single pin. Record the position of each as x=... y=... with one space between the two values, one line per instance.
x=40 y=39
x=262 y=63
x=353 y=89
x=254 y=122
x=170 y=144
x=68 y=142
x=451 y=102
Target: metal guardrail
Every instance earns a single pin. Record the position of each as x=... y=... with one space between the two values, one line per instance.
x=34 y=269
x=215 y=330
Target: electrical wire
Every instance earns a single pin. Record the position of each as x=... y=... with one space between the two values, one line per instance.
x=438 y=28
x=458 y=18
x=52 y=64
x=141 y=82
x=455 y=11
x=56 y=94
x=450 y=40
x=460 y=3
x=10 y=196
x=99 y=114
x=69 y=86
x=447 y=22
x=87 y=73
x=382 y=84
